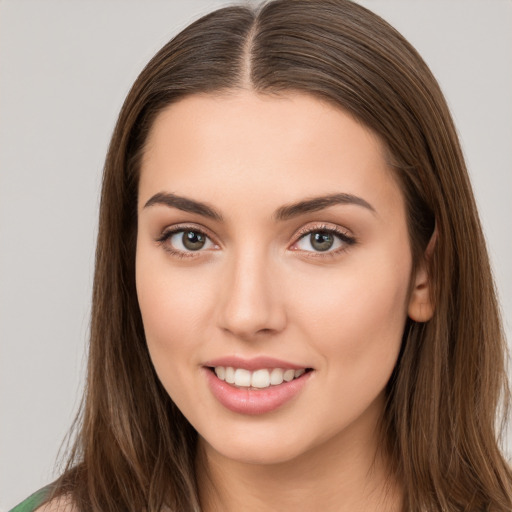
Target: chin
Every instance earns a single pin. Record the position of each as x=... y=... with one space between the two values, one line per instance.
x=270 y=455
x=265 y=447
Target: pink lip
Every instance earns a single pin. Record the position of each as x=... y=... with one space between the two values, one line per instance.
x=255 y=363
x=254 y=401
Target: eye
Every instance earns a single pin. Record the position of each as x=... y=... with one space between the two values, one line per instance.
x=185 y=241
x=323 y=240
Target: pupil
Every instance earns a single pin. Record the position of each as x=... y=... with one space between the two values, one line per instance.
x=322 y=240
x=193 y=240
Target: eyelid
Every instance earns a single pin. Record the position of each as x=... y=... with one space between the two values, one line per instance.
x=169 y=231
x=342 y=233
x=184 y=226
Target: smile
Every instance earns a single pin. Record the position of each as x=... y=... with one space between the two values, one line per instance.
x=256 y=386
x=258 y=379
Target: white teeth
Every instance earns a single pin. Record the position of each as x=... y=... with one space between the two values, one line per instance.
x=259 y=379
x=220 y=371
x=276 y=376
x=230 y=375
x=288 y=375
x=242 y=377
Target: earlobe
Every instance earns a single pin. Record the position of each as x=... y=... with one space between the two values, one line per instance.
x=421 y=307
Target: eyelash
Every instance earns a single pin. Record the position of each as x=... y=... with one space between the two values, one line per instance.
x=346 y=240
x=168 y=233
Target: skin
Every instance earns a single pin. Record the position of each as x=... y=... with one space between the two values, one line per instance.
x=258 y=288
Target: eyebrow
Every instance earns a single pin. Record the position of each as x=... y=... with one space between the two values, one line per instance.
x=283 y=213
x=319 y=203
x=184 y=204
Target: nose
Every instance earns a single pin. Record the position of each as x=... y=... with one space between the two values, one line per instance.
x=251 y=298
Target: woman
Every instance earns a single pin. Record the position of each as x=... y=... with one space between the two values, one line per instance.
x=293 y=306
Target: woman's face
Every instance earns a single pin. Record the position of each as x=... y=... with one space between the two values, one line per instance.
x=272 y=245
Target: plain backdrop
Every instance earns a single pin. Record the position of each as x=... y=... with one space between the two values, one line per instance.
x=65 y=67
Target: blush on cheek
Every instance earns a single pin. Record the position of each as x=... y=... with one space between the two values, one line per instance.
x=167 y=300
x=359 y=317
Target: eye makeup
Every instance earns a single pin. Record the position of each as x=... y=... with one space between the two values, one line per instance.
x=319 y=234
x=191 y=234
x=325 y=240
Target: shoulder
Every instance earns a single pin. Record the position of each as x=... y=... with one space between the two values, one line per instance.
x=61 y=504
x=36 y=503
x=33 y=501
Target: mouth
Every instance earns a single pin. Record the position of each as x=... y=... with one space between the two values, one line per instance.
x=257 y=379
x=257 y=386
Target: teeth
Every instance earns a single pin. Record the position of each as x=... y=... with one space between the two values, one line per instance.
x=288 y=375
x=259 y=379
x=242 y=377
x=276 y=376
x=230 y=375
x=220 y=371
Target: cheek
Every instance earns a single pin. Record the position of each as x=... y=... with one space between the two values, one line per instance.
x=167 y=307
x=172 y=306
x=356 y=325
x=357 y=315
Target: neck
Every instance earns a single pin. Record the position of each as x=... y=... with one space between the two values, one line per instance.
x=345 y=473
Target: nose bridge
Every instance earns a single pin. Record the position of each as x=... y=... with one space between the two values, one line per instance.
x=251 y=300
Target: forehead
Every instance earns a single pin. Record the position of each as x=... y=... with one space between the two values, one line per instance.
x=281 y=148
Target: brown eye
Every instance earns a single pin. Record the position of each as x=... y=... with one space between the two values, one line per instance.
x=321 y=240
x=193 y=240
x=186 y=241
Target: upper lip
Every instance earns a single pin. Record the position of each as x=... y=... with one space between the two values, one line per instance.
x=252 y=364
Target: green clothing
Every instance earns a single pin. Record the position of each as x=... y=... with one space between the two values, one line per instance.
x=32 y=502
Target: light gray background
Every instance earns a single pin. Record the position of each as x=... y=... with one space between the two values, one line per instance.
x=65 y=67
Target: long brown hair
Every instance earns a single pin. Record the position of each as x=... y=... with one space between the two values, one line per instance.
x=134 y=449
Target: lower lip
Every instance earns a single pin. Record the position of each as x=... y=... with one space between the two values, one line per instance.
x=254 y=401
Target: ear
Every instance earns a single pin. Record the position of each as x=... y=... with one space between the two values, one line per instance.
x=421 y=307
